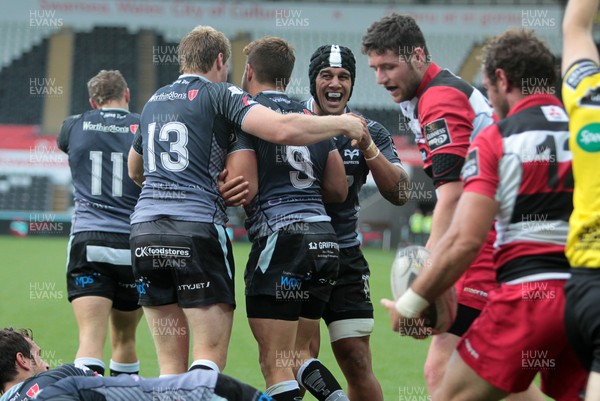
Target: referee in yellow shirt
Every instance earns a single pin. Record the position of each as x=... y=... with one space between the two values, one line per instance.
x=581 y=97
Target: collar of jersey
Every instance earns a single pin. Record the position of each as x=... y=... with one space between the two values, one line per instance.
x=431 y=72
x=537 y=99
x=196 y=76
x=273 y=93
x=114 y=109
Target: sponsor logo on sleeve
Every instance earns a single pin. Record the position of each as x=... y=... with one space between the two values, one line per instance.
x=591 y=98
x=471 y=167
x=437 y=134
x=588 y=138
x=248 y=101
x=235 y=90
x=33 y=390
x=133 y=128
x=554 y=113
x=579 y=72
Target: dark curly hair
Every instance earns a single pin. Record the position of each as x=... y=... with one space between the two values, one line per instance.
x=396 y=32
x=526 y=60
x=12 y=341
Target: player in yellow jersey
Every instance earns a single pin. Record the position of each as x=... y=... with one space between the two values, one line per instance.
x=581 y=97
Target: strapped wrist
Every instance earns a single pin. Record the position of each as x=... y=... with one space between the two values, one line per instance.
x=368 y=148
x=374 y=156
x=411 y=304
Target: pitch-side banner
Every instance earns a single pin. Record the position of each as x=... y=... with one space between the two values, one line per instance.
x=233 y=16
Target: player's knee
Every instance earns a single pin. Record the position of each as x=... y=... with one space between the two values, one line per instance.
x=354 y=356
x=434 y=371
x=124 y=343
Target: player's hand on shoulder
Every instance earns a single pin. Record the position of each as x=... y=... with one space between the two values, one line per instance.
x=233 y=191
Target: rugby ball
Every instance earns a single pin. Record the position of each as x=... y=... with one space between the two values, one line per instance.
x=407 y=265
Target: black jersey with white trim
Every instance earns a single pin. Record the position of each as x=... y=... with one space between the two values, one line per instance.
x=289 y=177
x=186 y=128
x=344 y=215
x=97 y=143
x=30 y=388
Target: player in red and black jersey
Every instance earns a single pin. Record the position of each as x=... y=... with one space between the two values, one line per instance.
x=444 y=113
x=517 y=171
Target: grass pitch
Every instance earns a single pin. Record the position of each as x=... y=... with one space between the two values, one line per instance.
x=34 y=295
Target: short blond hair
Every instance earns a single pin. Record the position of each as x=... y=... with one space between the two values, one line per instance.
x=106 y=86
x=199 y=49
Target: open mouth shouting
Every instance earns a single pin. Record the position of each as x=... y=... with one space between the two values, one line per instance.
x=333 y=97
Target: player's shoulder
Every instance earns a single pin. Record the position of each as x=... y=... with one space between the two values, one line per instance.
x=281 y=101
x=578 y=71
x=75 y=117
x=445 y=81
x=12 y=393
x=308 y=103
x=31 y=387
x=489 y=132
x=70 y=121
x=581 y=85
x=227 y=88
x=550 y=116
x=135 y=115
x=376 y=128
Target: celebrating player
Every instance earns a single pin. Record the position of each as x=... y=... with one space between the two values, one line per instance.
x=100 y=281
x=581 y=88
x=293 y=262
x=24 y=376
x=182 y=255
x=519 y=172
x=349 y=313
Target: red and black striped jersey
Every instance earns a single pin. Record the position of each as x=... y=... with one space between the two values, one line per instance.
x=524 y=163
x=445 y=116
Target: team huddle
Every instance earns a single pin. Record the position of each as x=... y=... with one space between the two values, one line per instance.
x=151 y=193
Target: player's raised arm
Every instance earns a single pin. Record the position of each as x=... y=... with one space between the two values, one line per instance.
x=578 y=42
x=298 y=129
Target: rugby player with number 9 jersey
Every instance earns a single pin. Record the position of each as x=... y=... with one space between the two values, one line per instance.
x=182 y=256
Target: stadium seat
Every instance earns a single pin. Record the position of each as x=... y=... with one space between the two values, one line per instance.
x=21 y=192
